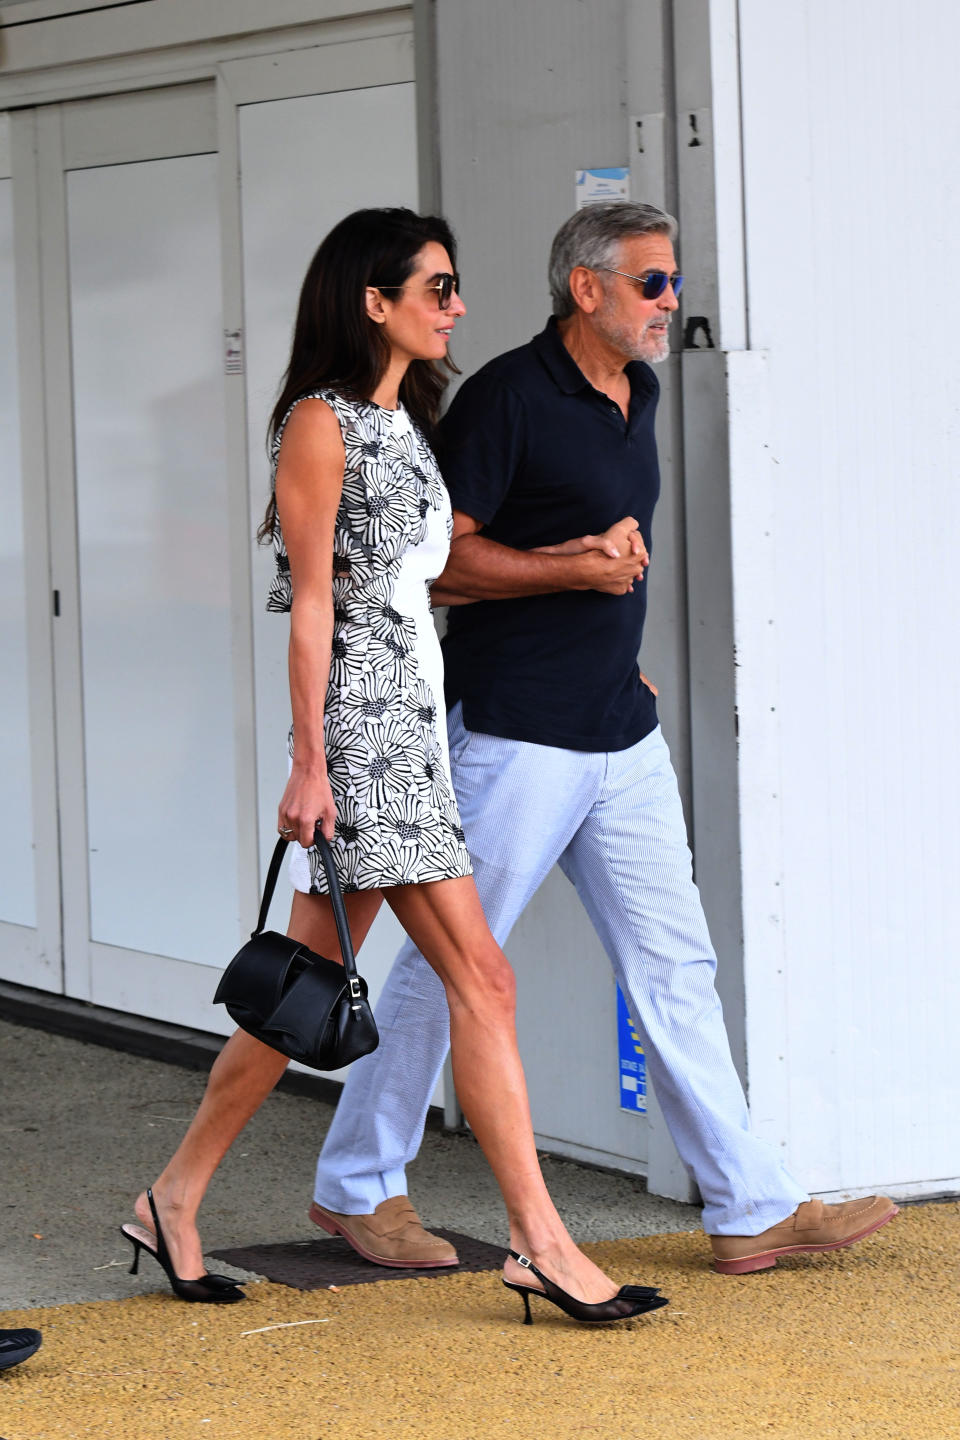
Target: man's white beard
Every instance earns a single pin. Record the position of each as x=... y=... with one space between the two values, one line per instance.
x=657 y=344
x=647 y=344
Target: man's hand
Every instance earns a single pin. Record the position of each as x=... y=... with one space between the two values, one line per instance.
x=597 y=570
x=622 y=542
x=479 y=568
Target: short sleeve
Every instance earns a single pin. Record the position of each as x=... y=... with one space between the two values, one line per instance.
x=481 y=445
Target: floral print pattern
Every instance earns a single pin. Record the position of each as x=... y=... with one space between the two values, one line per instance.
x=397 y=821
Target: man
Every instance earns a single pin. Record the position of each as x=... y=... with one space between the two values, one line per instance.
x=557 y=756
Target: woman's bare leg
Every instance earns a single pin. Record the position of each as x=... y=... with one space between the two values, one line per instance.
x=242 y=1077
x=446 y=923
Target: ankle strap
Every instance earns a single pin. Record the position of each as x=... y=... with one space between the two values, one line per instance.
x=528 y=1264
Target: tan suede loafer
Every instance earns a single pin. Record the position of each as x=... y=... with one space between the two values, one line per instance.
x=392 y=1235
x=813 y=1226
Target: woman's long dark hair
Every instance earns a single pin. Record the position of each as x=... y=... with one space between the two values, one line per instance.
x=335 y=343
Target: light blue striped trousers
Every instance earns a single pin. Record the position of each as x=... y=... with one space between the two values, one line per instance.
x=614 y=823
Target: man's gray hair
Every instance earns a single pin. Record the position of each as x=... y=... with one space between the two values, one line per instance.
x=592 y=236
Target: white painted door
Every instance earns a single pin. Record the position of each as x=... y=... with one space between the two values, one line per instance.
x=150 y=848
x=159 y=230
x=305 y=161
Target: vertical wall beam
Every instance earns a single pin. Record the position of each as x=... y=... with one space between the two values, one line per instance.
x=653 y=179
x=46 y=967
x=708 y=320
x=431 y=202
x=428 y=112
x=238 y=508
x=64 y=549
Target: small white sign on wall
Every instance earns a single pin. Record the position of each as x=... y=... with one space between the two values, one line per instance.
x=605 y=183
x=233 y=352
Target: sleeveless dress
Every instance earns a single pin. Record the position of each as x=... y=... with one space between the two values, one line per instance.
x=385 y=730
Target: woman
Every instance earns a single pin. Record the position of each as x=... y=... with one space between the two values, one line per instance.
x=361 y=524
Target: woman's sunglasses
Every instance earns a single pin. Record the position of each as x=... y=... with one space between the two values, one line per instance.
x=653 y=284
x=445 y=286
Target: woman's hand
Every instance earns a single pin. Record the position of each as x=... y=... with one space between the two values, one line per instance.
x=307 y=802
x=624 y=538
x=620 y=541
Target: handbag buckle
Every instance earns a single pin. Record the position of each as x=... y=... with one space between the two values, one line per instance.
x=355 y=992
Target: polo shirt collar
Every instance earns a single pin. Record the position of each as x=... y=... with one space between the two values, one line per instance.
x=563 y=369
x=566 y=373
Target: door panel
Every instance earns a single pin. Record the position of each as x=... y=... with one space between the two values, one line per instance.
x=287 y=210
x=145 y=312
x=340 y=152
x=141 y=741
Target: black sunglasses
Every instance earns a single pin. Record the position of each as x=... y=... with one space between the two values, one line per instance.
x=445 y=286
x=653 y=283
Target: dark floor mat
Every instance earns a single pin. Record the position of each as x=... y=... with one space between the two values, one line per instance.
x=316 y=1264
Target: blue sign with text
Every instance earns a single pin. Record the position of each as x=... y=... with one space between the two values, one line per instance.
x=633 y=1062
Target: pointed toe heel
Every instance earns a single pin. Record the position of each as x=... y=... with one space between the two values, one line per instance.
x=206 y=1290
x=629 y=1301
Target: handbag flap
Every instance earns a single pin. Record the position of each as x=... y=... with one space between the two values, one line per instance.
x=311 y=1001
x=259 y=973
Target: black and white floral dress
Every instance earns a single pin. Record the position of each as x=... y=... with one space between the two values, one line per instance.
x=385 y=728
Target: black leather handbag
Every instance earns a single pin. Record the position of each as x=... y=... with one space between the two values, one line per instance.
x=299 y=1003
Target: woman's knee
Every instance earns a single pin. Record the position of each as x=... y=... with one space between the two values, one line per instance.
x=485 y=984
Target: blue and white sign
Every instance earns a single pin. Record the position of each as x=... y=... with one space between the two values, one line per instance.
x=609 y=182
x=633 y=1062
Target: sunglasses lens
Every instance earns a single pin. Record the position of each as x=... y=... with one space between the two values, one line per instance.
x=448 y=283
x=654 y=284
x=657 y=281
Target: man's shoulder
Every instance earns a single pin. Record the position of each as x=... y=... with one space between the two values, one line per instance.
x=515 y=368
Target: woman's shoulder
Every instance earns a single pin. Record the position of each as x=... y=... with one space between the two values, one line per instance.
x=322 y=412
x=309 y=415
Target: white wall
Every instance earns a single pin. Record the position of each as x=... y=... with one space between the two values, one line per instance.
x=527 y=95
x=846 y=508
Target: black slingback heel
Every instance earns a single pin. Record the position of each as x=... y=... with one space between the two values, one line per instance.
x=207 y=1290
x=630 y=1300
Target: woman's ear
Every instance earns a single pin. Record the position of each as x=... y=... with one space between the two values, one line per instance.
x=374 y=303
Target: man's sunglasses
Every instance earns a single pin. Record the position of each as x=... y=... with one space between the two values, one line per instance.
x=445 y=286
x=653 y=284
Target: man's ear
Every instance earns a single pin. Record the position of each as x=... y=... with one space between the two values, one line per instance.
x=585 y=288
x=374 y=304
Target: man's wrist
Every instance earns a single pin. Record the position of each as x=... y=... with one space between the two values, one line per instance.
x=577 y=569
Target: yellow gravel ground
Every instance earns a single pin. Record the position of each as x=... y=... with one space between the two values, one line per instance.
x=863 y=1342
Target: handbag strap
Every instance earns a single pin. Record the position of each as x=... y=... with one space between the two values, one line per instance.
x=336 y=901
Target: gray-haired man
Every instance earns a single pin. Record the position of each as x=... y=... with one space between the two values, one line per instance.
x=557 y=757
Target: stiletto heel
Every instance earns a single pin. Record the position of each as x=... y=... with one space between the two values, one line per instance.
x=137 y=1247
x=207 y=1290
x=630 y=1300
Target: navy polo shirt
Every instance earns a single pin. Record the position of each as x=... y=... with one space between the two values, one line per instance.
x=531 y=450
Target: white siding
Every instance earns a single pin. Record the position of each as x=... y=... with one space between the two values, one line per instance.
x=850 y=133
x=527 y=95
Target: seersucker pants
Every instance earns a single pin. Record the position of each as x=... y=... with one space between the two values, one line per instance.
x=614 y=823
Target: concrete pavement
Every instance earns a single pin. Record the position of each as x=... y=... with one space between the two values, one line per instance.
x=83 y=1128
x=857 y=1345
